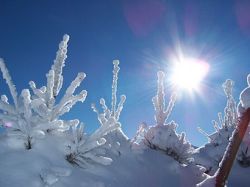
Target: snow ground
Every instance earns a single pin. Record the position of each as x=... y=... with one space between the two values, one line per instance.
x=45 y=165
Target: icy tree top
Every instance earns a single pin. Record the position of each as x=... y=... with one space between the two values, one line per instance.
x=245 y=98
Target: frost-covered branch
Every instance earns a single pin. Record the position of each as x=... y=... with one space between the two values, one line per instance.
x=224 y=127
x=165 y=139
x=162 y=136
x=244 y=104
x=85 y=150
x=162 y=113
x=44 y=99
x=225 y=124
x=112 y=114
x=18 y=119
x=9 y=82
x=34 y=114
x=58 y=65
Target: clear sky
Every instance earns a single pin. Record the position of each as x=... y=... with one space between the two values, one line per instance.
x=143 y=35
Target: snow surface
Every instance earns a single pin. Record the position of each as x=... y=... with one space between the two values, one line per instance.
x=45 y=165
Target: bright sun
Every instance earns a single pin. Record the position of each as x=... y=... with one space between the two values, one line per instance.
x=188 y=73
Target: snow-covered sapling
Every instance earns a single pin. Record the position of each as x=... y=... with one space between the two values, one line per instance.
x=161 y=112
x=18 y=118
x=163 y=137
x=221 y=175
x=116 y=138
x=244 y=152
x=33 y=115
x=84 y=149
x=219 y=140
x=87 y=149
x=44 y=99
x=112 y=114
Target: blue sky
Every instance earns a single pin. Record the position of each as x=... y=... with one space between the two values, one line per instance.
x=143 y=35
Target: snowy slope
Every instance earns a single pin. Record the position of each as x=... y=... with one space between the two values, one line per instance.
x=45 y=164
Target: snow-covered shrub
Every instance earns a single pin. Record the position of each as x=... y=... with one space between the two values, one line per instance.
x=162 y=114
x=244 y=152
x=31 y=116
x=87 y=149
x=44 y=103
x=116 y=138
x=84 y=149
x=17 y=117
x=162 y=136
x=211 y=154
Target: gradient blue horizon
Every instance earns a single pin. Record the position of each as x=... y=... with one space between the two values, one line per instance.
x=143 y=35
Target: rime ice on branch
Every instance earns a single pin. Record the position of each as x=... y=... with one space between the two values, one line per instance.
x=163 y=137
x=114 y=113
x=43 y=100
x=33 y=115
x=244 y=153
x=18 y=116
x=86 y=150
x=162 y=114
x=218 y=140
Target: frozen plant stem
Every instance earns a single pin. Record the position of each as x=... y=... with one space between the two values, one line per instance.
x=114 y=86
x=162 y=114
x=226 y=164
x=9 y=82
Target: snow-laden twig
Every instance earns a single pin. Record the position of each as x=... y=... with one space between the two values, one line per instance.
x=9 y=82
x=58 y=65
x=244 y=153
x=224 y=127
x=18 y=117
x=225 y=124
x=164 y=138
x=116 y=138
x=112 y=114
x=162 y=113
x=86 y=150
x=34 y=114
x=44 y=99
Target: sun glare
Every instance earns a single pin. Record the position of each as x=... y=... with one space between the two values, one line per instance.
x=188 y=73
